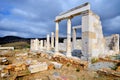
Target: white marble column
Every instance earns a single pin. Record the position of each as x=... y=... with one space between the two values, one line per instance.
x=45 y=44
x=52 y=40
x=74 y=38
x=36 y=43
x=31 y=45
x=57 y=38
x=48 y=42
x=68 y=54
x=41 y=44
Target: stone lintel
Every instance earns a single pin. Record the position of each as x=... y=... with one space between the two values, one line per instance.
x=73 y=12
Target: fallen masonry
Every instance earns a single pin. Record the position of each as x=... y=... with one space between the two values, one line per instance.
x=71 y=61
x=38 y=67
x=109 y=72
x=57 y=65
x=4 y=61
x=6 y=48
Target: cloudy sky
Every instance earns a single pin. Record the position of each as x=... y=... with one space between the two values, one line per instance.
x=35 y=18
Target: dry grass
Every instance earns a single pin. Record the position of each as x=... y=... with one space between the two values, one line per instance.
x=17 y=45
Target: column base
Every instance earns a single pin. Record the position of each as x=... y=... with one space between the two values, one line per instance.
x=68 y=54
x=58 y=54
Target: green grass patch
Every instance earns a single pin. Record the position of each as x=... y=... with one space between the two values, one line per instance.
x=94 y=60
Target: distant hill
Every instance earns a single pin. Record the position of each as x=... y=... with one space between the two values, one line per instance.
x=10 y=39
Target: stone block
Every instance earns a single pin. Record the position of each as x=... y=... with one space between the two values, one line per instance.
x=92 y=35
x=57 y=65
x=51 y=66
x=9 y=67
x=38 y=67
x=4 y=73
x=21 y=55
x=118 y=69
x=4 y=61
x=20 y=67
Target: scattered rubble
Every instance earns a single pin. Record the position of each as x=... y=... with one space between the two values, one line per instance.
x=109 y=60
x=108 y=72
x=118 y=68
x=4 y=61
x=73 y=61
x=99 y=65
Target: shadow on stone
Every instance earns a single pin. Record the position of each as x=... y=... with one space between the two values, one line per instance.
x=77 y=53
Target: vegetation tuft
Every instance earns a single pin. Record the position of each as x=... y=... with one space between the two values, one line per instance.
x=94 y=60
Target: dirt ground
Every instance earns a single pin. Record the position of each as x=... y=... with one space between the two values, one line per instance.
x=66 y=72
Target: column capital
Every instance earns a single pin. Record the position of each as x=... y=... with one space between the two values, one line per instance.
x=57 y=21
x=73 y=28
x=70 y=17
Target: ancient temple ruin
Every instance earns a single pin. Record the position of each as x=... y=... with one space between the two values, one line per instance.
x=92 y=44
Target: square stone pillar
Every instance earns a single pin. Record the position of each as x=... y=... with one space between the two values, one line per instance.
x=48 y=42
x=52 y=40
x=57 y=38
x=86 y=43
x=74 y=38
x=68 y=53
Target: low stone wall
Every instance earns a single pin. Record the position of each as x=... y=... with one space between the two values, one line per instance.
x=112 y=44
x=6 y=48
x=78 y=45
x=62 y=46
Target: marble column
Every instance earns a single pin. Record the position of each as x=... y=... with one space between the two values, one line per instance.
x=36 y=43
x=52 y=40
x=48 y=42
x=68 y=53
x=41 y=44
x=45 y=44
x=57 y=38
x=74 y=38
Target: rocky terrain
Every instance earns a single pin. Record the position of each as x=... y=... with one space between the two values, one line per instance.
x=26 y=65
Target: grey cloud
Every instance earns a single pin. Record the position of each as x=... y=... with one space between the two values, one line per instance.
x=35 y=18
x=112 y=26
x=24 y=14
x=31 y=27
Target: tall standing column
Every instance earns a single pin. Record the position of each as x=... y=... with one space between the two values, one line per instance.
x=68 y=38
x=52 y=39
x=57 y=38
x=45 y=44
x=36 y=43
x=41 y=44
x=48 y=42
x=74 y=38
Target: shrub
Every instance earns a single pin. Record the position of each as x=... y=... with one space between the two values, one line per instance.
x=77 y=70
x=94 y=60
x=68 y=64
